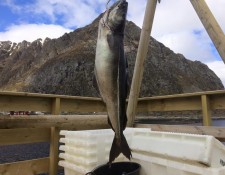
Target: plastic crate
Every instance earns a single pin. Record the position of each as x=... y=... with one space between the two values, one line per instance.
x=154 y=165
x=84 y=150
x=187 y=147
x=160 y=153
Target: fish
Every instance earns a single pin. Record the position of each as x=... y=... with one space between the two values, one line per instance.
x=111 y=74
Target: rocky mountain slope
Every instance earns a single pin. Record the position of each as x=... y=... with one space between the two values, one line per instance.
x=65 y=66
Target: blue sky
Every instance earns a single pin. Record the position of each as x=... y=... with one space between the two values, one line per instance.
x=176 y=24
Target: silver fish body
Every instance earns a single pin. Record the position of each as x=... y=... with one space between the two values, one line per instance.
x=111 y=73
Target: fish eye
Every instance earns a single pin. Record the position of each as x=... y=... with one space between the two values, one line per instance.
x=119 y=4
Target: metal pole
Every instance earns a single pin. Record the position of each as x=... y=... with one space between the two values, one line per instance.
x=139 y=64
x=211 y=25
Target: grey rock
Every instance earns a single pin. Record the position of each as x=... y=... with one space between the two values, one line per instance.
x=65 y=66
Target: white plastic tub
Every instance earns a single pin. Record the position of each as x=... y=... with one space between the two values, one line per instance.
x=154 y=165
x=88 y=149
x=159 y=153
x=187 y=147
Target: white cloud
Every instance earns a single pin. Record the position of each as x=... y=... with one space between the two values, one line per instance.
x=136 y=11
x=11 y=4
x=69 y=13
x=194 y=47
x=31 y=32
x=219 y=68
x=174 y=24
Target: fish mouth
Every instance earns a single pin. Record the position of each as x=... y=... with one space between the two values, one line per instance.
x=123 y=4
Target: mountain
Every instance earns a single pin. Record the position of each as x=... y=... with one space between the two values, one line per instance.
x=65 y=65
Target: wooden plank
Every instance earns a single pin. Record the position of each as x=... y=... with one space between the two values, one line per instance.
x=217 y=101
x=77 y=122
x=54 y=151
x=82 y=105
x=173 y=104
x=206 y=111
x=218 y=132
x=26 y=94
x=24 y=135
x=212 y=27
x=43 y=102
x=217 y=92
x=140 y=58
x=18 y=101
x=29 y=167
x=24 y=103
x=94 y=99
x=54 y=141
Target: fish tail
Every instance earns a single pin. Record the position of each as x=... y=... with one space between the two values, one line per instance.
x=119 y=147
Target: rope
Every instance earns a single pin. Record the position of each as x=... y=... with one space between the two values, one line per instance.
x=107 y=4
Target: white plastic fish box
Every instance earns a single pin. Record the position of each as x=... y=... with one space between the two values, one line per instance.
x=84 y=150
x=164 y=153
x=154 y=165
x=187 y=147
x=158 y=153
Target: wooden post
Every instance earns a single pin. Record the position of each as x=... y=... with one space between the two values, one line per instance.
x=56 y=106
x=139 y=64
x=54 y=140
x=212 y=27
x=206 y=111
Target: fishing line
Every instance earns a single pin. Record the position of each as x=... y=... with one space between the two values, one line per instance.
x=107 y=4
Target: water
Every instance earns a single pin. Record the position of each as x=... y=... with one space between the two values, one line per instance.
x=220 y=123
x=196 y=122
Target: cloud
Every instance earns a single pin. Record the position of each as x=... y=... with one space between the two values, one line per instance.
x=70 y=14
x=174 y=25
x=136 y=11
x=219 y=68
x=178 y=27
x=195 y=46
x=31 y=32
x=11 y=4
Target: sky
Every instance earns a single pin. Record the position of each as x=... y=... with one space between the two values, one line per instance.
x=176 y=24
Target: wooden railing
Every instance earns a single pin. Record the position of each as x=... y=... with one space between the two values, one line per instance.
x=56 y=104
x=32 y=129
x=203 y=101
x=45 y=128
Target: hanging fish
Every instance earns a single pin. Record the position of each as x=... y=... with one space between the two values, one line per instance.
x=111 y=73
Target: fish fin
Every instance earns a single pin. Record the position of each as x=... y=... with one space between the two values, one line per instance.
x=119 y=147
x=115 y=150
x=125 y=148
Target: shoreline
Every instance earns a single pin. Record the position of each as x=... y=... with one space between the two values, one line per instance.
x=173 y=120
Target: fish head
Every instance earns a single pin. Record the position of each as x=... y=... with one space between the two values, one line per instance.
x=116 y=16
